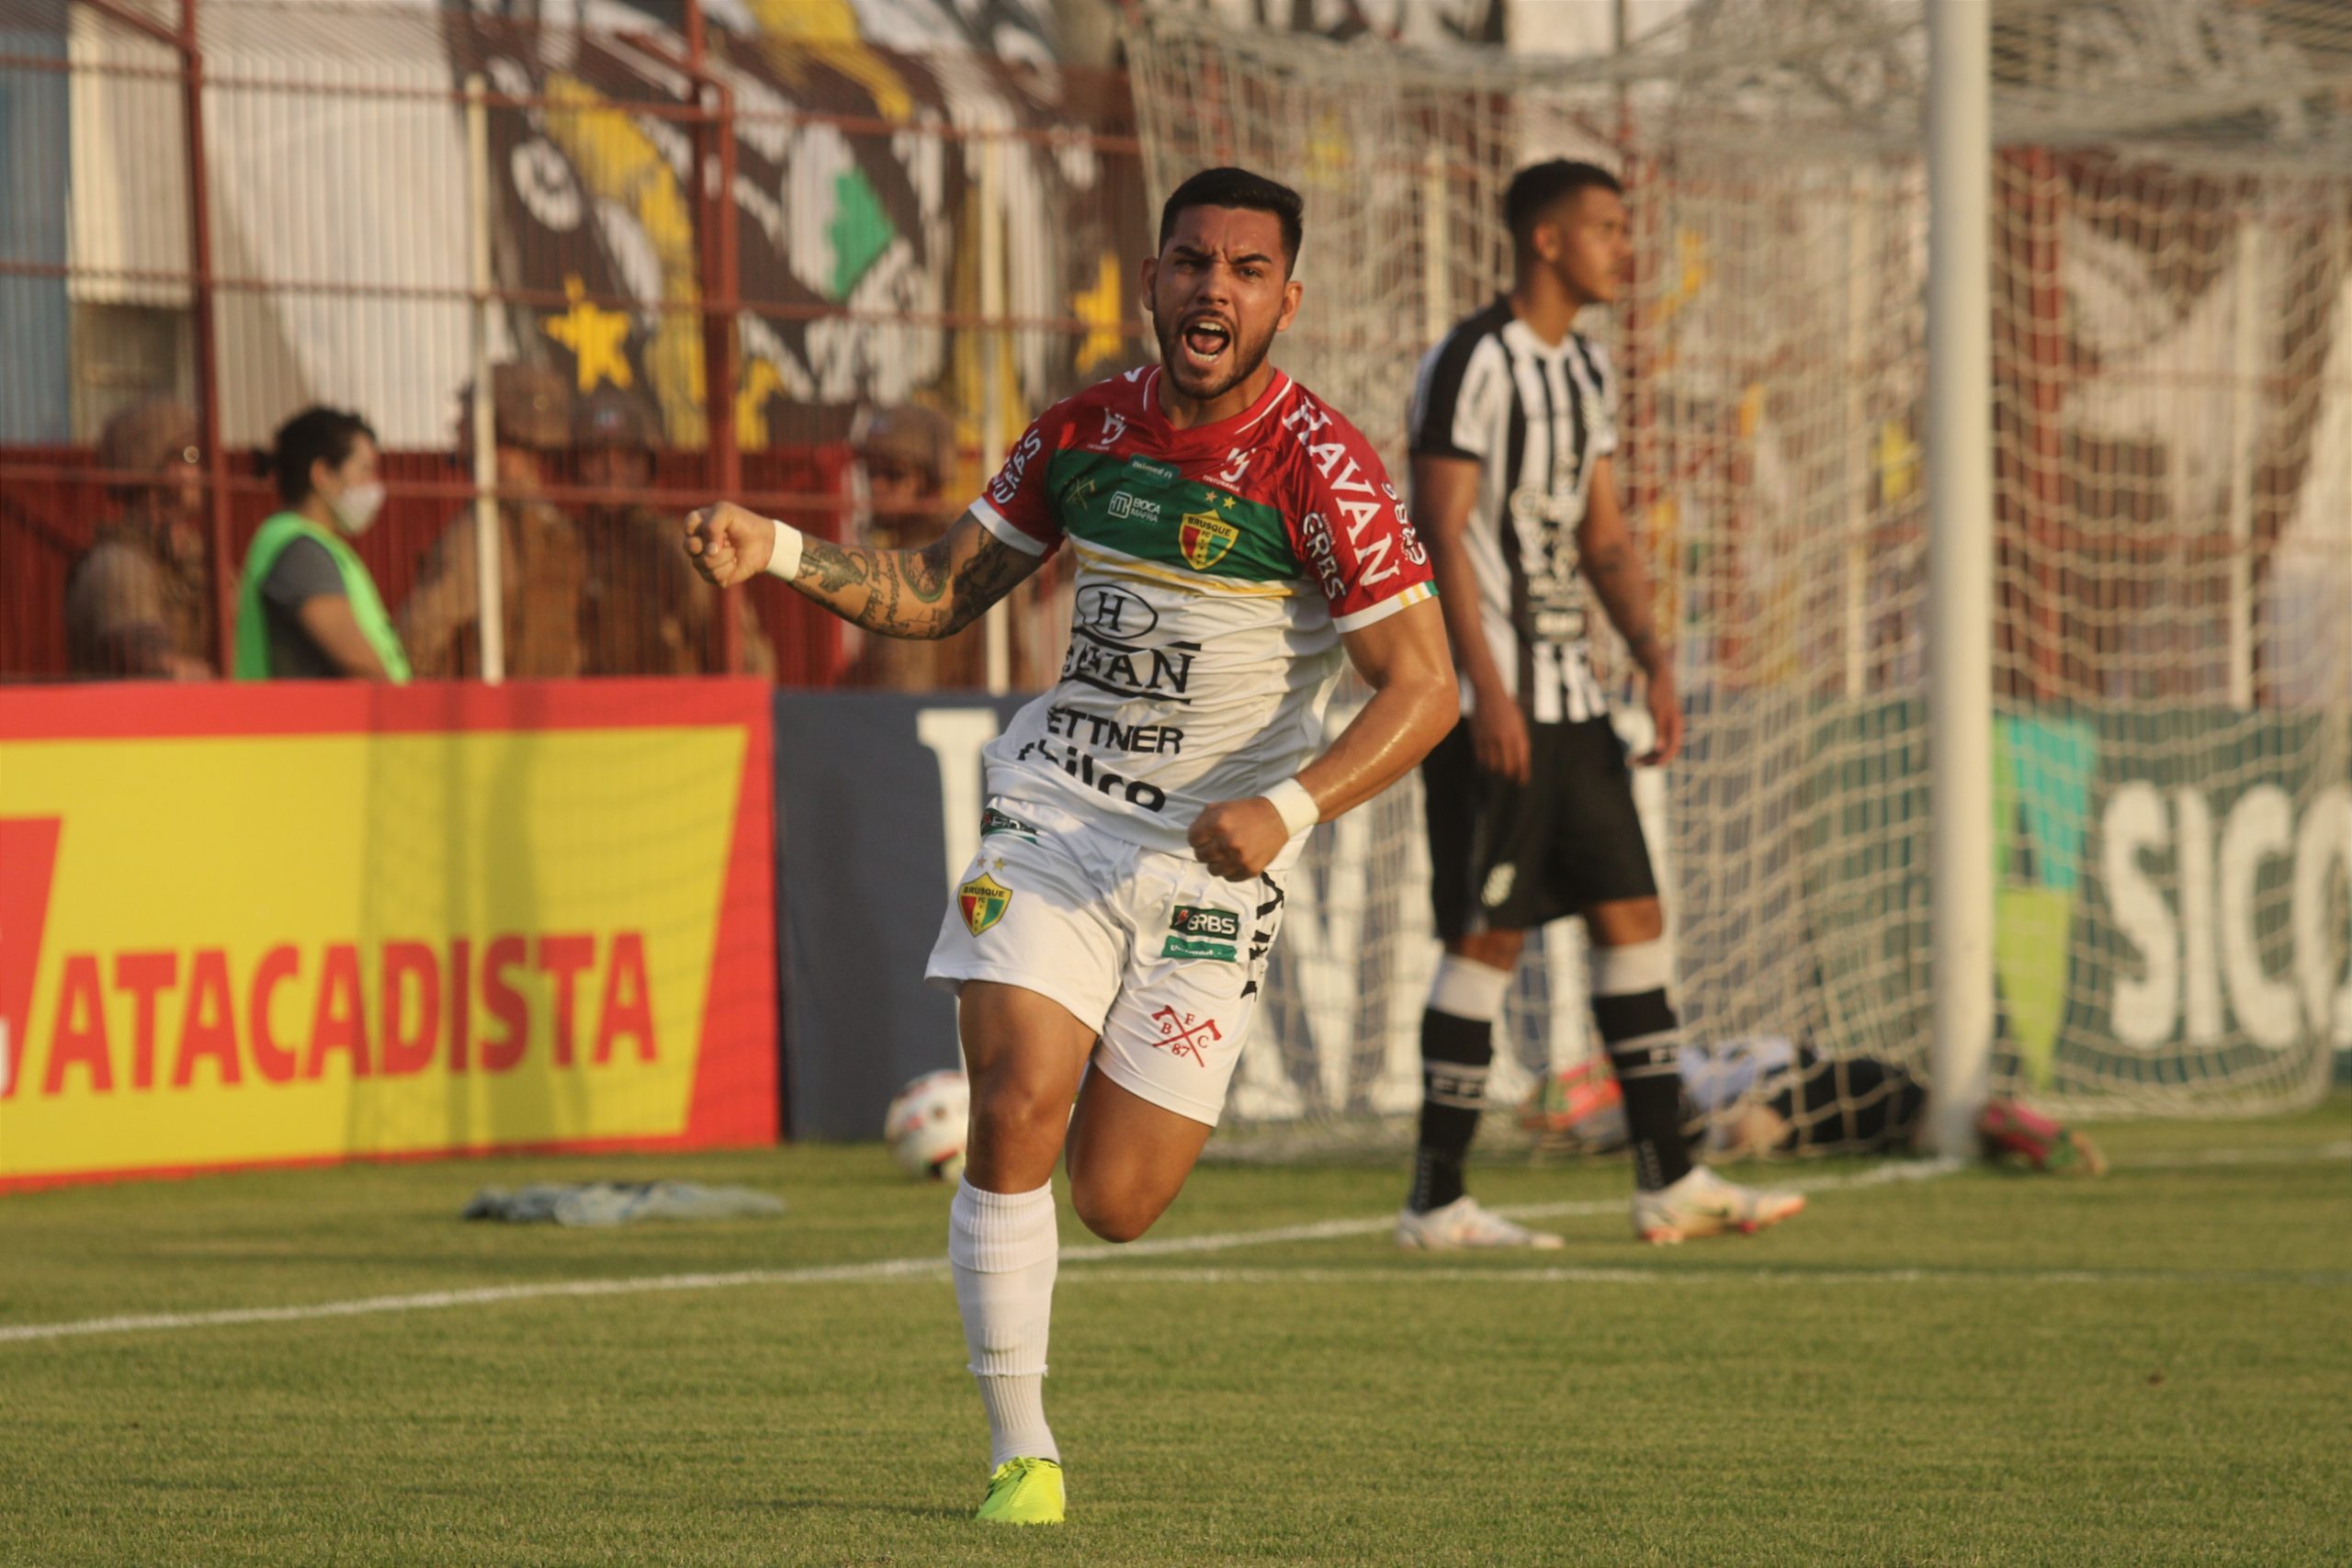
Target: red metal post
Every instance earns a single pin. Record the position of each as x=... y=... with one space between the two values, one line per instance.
x=718 y=355
x=207 y=348
x=715 y=252
x=714 y=240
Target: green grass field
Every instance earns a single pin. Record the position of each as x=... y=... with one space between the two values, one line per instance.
x=1970 y=1368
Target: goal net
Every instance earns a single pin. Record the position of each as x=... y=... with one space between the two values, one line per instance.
x=2172 y=221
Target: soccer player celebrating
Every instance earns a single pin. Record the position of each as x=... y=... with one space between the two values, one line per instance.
x=1531 y=805
x=1235 y=536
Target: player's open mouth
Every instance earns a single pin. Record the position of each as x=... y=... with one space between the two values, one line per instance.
x=1205 y=343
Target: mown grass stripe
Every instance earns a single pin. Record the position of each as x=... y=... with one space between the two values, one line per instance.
x=934 y=1266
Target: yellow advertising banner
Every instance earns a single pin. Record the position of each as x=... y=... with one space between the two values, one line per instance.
x=468 y=921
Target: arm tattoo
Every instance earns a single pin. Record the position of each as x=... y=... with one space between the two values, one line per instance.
x=991 y=573
x=834 y=568
x=909 y=593
x=923 y=574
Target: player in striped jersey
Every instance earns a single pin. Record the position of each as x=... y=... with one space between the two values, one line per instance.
x=1237 y=542
x=1531 y=807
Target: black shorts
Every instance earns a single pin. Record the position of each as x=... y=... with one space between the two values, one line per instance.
x=1506 y=856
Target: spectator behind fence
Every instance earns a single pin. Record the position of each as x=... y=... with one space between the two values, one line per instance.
x=138 y=602
x=540 y=567
x=644 y=610
x=307 y=610
x=904 y=456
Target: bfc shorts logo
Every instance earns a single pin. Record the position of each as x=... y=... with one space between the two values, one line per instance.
x=1499 y=885
x=1186 y=1035
x=983 y=901
x=1195 y=931
x=1206 y=538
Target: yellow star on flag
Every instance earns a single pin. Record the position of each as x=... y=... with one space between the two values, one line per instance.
x=762 y=381
x=1099 y=308
x=598 y=338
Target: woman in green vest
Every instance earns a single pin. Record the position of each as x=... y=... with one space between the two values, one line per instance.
x=307 y=610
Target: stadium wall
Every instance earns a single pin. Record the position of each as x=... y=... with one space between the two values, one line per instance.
x=877 y=813
x=2160 y=932
x=251 y=926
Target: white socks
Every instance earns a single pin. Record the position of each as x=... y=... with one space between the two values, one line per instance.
x=1017 y=1428
x=1003 y=1251
x=1465 y=989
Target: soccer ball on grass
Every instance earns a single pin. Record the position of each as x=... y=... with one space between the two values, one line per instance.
x=926 y=1124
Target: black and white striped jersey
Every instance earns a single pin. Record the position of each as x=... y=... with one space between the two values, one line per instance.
x=1536 y=417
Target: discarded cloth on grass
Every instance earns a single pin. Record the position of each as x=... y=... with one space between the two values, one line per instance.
x=619 y=1203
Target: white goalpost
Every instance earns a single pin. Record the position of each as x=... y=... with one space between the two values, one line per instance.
x=1959 y=565
x=1988 y=415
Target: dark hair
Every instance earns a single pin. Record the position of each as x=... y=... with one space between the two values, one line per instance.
x=1238 y=188
x=317 y=431
x=1538 y=187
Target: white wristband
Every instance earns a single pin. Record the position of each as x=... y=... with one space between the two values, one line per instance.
x=784 y=560
x=1298 y=810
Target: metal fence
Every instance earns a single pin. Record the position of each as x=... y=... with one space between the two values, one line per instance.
x=755 y=242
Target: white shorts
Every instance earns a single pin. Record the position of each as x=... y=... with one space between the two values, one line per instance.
x=1160 y=957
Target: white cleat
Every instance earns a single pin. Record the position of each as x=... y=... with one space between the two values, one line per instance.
x=1466 y=1223
x=1703 y=1203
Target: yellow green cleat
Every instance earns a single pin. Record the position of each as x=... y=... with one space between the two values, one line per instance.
x=1025 y=1492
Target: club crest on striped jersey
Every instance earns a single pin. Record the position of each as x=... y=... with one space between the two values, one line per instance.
x=983 y=901
x=1205 y=538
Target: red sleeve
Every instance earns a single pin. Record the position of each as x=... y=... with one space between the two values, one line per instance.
x=1013 y=506
x=1348 y=525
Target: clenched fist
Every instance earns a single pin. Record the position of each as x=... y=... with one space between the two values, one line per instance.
x=728 y=544
x=1238 y=838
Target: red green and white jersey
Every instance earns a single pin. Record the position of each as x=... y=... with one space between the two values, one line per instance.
x=1216 y=568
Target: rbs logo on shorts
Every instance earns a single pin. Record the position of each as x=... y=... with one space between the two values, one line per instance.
x=1195 y=930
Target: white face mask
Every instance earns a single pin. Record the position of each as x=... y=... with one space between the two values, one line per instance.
x=357 y=507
